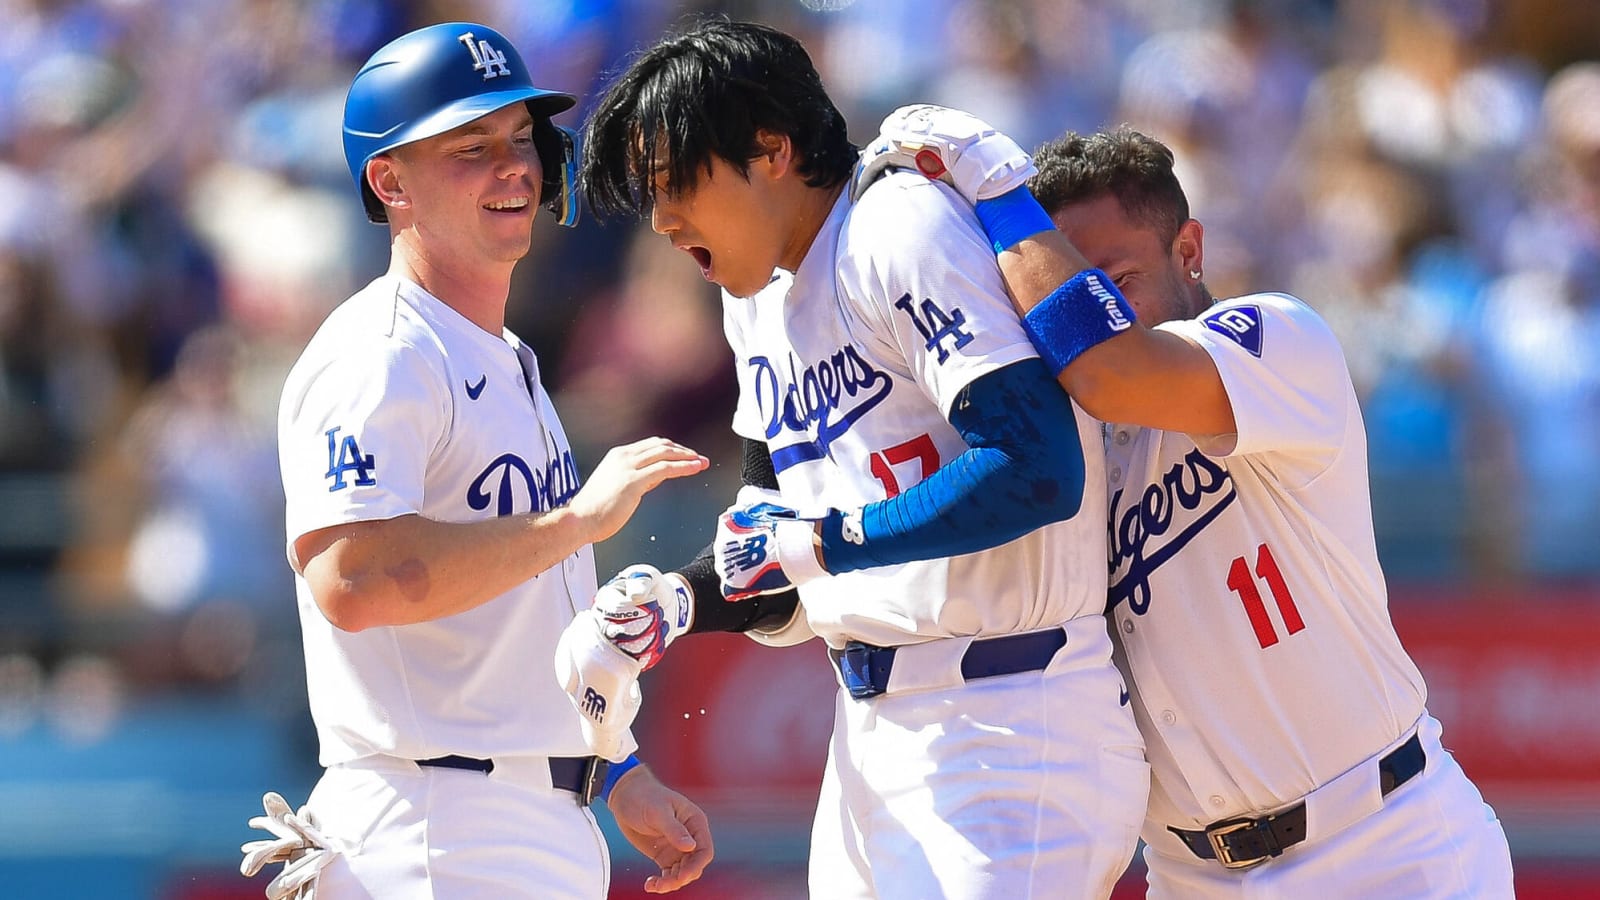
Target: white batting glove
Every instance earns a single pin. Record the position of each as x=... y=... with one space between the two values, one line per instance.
x=643 y=611
x=763 y=547
x=946 y=145
x=298 y=843
x=603 y=684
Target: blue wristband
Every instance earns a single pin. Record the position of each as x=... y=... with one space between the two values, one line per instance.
x=1011 y=217
x=1081 y=313
x=615 y=773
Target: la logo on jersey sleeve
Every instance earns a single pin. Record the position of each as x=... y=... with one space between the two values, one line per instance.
x=1241 y=324
x=344 y=458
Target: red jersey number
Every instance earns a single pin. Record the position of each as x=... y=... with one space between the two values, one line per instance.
x=1240 y=580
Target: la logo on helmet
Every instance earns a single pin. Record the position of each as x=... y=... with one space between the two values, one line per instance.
x=485 y=59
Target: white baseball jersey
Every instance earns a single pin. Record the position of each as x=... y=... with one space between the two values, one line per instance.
x=847 y=370
x=1246 y=595
x=401 y=405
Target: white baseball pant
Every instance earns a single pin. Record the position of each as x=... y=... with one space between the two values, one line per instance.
x=420 y=833
x=1030 y=785
x=1434 y=838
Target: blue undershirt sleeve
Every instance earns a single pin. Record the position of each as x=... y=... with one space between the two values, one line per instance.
x=1023 y=469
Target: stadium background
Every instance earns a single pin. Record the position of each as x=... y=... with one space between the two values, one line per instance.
x=175 y=218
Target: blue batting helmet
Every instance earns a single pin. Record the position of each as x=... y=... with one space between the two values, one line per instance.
x=444 y=76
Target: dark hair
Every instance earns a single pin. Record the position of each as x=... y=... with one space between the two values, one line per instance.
x=1133 y=167
x=706 y=93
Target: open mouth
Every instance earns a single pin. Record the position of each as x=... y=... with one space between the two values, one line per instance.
x=703 y=257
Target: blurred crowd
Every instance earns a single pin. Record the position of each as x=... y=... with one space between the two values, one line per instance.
x=176 y=218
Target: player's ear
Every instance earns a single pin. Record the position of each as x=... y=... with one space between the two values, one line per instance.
x=383 y=176
x=1188 y=249
x=774 y=150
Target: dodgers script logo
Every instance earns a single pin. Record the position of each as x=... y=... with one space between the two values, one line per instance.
x=508 y=479
x=1188 y=485
x=830 y=396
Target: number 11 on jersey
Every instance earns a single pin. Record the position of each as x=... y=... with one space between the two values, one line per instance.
x=1240 y=580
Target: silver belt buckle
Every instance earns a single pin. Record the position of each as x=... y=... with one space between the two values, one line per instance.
x=594 y=778
x=1217 y=832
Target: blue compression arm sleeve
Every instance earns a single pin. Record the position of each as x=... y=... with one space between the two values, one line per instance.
x=1023 y=469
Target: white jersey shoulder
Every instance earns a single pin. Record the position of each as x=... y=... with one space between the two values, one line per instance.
x=848 y=368
x=1246 y=595
x=399 y=405
x=1284 y=372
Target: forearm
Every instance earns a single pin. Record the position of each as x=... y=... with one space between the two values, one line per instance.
x=1037 y=265
x=413 y=569
x=1138 y=376
x=1151 y=378
x=711 y=611
x=1024 y=469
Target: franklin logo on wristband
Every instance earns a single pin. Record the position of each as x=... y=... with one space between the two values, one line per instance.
x=1115 y=320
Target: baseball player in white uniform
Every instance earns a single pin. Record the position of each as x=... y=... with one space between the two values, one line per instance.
x=1291 y=750
x=981 y=746
x=438 y=526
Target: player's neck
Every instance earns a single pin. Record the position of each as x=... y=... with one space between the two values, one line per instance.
x=477 y=292
x=811 y=211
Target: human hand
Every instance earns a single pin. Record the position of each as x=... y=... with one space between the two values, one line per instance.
x=763 y=547
x=643 y=611
x=945 y=145
x=665 y=826
x=625 y=474
x=602 y=682
x=298 y=843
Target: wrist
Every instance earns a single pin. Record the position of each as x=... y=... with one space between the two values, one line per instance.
x=1085 y=311
x=680 y=617
x=1012 y=217
x=617 y=772
x=800 y=550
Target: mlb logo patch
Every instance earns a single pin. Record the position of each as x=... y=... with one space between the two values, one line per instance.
x=1242 y=324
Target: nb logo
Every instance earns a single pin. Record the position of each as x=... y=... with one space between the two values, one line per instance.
x=594 y=705
x=935 y=325
x=485 y=59
x=344 y=455
x=746 y=554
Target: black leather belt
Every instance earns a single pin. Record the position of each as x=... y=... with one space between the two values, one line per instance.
x=1243 y=842
x=865 y=668
x=582 y=775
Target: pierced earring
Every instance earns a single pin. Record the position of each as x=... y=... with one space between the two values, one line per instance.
x=1195 y=274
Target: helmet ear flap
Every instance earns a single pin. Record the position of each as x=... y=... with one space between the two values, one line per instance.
x=557 y=148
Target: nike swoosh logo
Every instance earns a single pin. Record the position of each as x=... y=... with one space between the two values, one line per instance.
x=475 y=390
